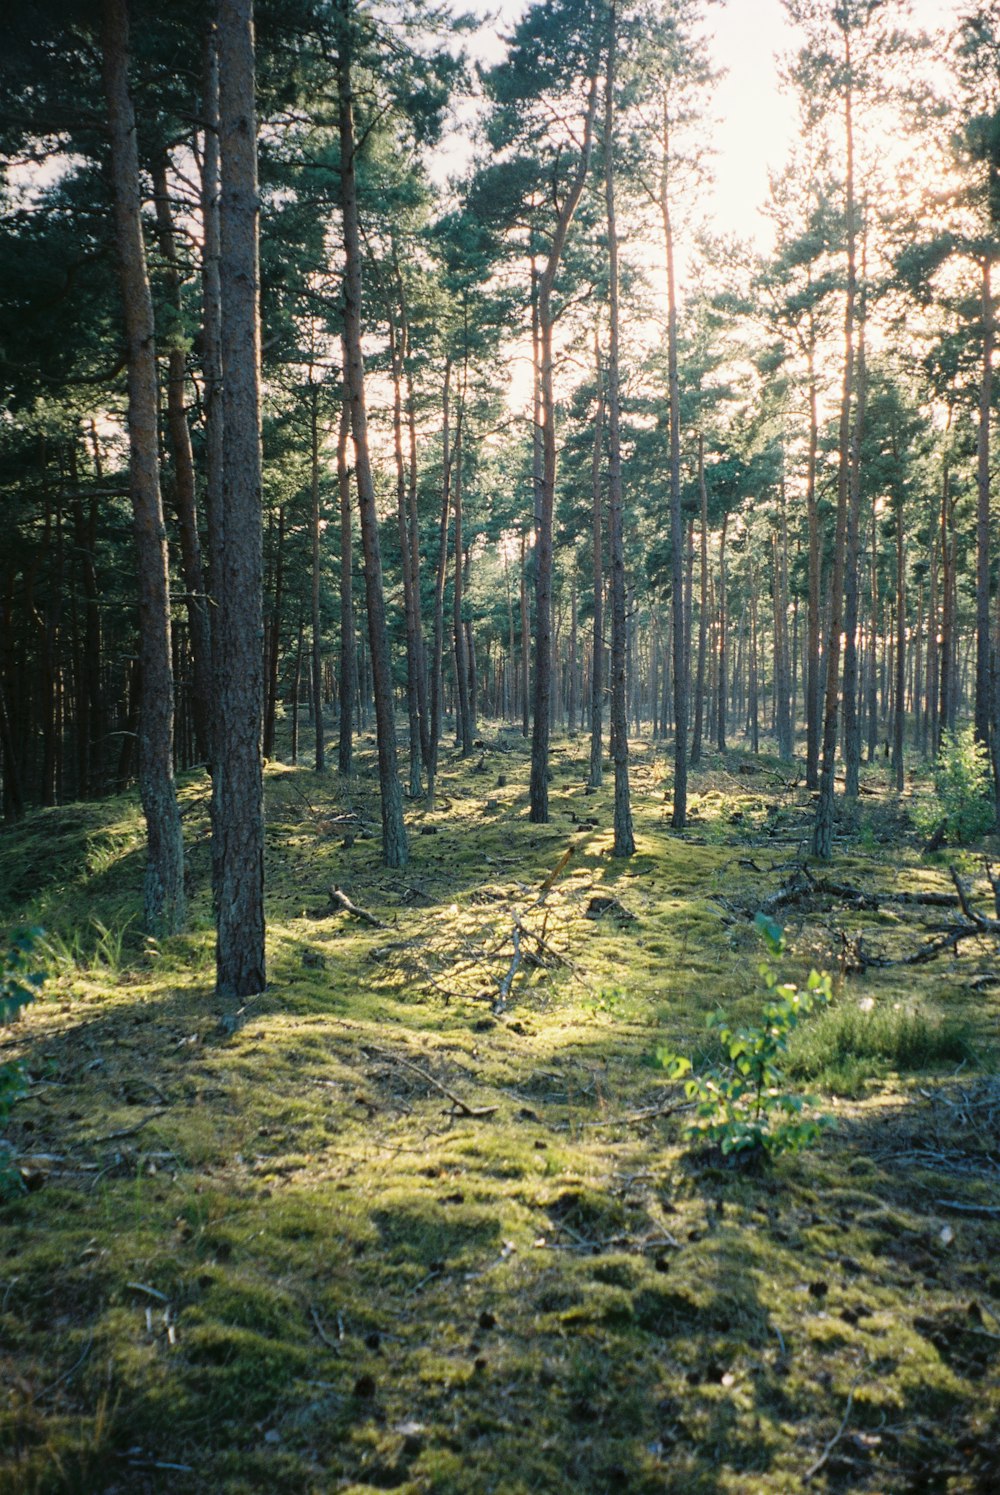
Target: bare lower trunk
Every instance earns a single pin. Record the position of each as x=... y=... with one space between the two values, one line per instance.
x=348 y=664
x=185 y=501
x=164 y=902
x=624 y=837
x=681 y=671
x=597 y=662
x=394 y=846
x=315 y=532
x=539 y=787
x=238 y=780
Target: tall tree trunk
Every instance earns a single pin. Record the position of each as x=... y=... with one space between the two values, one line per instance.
x=899 y=720
x=410 y=601
x=238 y=779
x=437 y=637
x=274 y=638
x=315 y=536
x=164 y=907
x=822 y=839
x=723 y=614
x=946 y=673
x=185 y=499
x=597 y=661
x=699 y=689
x=681 y=661
x=413 y=519
x=814 y=674
x=211 y=332
x=539 y=786
x=852 y=579
x=624 y=836
x=984 y=673
x=463 y=730
x=348 y=663
x=394 y=847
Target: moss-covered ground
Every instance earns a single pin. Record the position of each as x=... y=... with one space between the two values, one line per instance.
x=383 y=1230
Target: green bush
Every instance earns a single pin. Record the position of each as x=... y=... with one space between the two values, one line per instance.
x=20 y=982
x=963 y=797
x=741 y=1104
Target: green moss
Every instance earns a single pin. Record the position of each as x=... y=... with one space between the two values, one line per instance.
x=549 y=1298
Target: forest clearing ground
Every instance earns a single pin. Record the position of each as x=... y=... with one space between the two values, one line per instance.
x=395 y=1226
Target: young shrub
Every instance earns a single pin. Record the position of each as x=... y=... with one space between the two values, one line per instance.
x=20 y=982
x=963 y=801
x=742 y=1105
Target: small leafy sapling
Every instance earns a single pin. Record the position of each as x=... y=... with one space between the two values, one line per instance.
x=741 y=1104
x=962 y=807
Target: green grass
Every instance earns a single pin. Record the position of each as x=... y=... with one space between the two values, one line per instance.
x=283 y=1260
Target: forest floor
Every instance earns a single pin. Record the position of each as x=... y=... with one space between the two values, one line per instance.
x=424 y=1217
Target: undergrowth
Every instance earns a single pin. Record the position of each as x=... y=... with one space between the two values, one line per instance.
x=379 y=1235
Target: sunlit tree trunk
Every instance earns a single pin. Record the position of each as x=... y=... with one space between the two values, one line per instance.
x=822 y=839
x=597 y=659
x=394 y=847
x=624 y=836
x=539 y=786
x=681 y=683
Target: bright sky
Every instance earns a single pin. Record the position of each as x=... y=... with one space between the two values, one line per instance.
x=756 y=120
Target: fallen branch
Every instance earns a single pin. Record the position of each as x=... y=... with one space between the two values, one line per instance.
x=340 y=900
x=988 y=926
x=562 y=863
x=976 y=1211
x=505 y=984
x=130 y=1131
x=331 y=1344
x=462 y=1107
x=815 y=1467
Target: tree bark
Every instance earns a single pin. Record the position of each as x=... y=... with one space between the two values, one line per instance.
x=185 y=499
x=624 y=836
x=237 y=780
x=678 y=817
x=984 y=673
x=348 y=663
x=164 y=908
x=822 y=839
x=597 y=662
x=394 y=846
x=539 y=787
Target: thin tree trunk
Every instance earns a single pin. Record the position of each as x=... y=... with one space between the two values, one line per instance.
x=348 y=662
x=274 y=639
x=984 y=673
x=211 y=336
x=437 y=644
x=852 y=721
x=394 y=847
x=814 y=689
x=315 y=535
x=822 y=840
x=624 y=836
x=164 y=902
x=539 y=786
x=185 y=500
x=597 y=661
x=699 y=689
x=723 y=614
x=681 y=683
